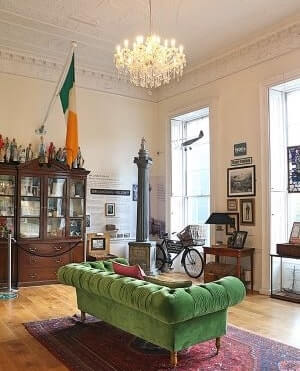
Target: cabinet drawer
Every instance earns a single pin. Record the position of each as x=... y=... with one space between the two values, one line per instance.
x=28 y=275
x=37 y=261
x=48 y=249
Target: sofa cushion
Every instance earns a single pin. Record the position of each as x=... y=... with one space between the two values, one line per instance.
x=163 y=303
x=98 y=265
x=134 y=271
x=170 y=284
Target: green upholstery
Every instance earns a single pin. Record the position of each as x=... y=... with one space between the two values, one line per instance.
x=170 y=284
x=171 y=318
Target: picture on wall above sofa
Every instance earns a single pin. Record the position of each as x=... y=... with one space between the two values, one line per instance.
x=241 y=181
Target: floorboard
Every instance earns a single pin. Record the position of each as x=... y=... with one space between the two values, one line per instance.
x=18 y=350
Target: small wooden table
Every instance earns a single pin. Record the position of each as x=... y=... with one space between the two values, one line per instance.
x=223 y=250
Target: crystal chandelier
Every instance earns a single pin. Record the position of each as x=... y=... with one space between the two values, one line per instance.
x=149 y=63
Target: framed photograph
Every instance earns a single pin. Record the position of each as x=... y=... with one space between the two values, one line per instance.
x=135 y=188
x=110 y=209
x=247 y=211
x=241 y=181
x=231 y=229
x=88 y=221
x=232 y=205
x=98 y=243
x=295 y=233
x=293 y=156
x=239 y=239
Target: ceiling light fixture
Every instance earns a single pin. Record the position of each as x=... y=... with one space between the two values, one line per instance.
x=149 y=63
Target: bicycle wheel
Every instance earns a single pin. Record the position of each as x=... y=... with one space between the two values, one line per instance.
x=161 y=257
x=193 y=263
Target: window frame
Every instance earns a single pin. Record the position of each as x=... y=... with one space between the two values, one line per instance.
x=185 y=197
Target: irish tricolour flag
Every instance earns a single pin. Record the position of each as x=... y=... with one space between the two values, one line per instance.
x=68 y=101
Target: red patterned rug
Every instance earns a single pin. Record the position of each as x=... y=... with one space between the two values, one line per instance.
x=96 y=345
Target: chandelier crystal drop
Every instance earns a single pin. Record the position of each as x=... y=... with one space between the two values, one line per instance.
x=149 y=63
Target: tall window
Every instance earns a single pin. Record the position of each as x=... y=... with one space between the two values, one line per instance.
x=190 y=200
x=284 y=101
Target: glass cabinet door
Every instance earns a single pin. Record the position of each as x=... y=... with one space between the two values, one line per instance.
x=56 y=207
x=77 y=194
x=30 y=207
x=7 y=204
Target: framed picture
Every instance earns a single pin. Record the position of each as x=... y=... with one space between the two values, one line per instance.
x=88 y=221
x=295 y=233
x=231 y=229
x=135 y=188
x=293 y=155
x=247 y=211
x=110 y=209
x=239 y=239
x=241 y=181
x=232 y=205
x=98 y=243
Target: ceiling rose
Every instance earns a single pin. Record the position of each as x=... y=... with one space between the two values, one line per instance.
x=149 y=63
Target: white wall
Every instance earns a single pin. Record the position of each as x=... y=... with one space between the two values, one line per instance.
x=236 y=103
x=110 y=126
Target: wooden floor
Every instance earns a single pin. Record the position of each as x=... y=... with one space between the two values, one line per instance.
x=19 y=351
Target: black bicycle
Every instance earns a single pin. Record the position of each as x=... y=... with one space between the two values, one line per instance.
x=191 y=259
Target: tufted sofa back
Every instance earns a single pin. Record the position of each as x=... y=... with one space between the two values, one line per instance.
x=162 y=303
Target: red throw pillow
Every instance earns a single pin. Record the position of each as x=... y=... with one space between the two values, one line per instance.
x=134 y=271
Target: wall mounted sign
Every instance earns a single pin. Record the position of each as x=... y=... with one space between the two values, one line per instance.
x=241 y=161
x=240 y=149
x=110 y=192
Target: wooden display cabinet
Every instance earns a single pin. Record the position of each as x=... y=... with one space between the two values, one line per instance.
x=8 y=206
x=49 y=219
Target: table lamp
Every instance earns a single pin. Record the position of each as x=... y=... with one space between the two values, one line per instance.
x=220 y=219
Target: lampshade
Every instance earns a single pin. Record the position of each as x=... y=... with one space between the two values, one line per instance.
x=220 y=218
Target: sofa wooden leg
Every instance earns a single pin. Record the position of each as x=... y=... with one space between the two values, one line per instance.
x=82 y=316
x=173 y=358
x=218 y=344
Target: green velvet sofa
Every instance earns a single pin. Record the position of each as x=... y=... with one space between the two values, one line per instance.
x=173 y=319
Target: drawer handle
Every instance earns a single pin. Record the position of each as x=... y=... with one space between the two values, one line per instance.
x=58 y=261
x=32 y=275
x=57 y=248
x=32 y=249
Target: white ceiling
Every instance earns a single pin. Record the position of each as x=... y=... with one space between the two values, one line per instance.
x=206 y=28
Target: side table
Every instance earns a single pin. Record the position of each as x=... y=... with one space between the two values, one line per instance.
x=223 y=250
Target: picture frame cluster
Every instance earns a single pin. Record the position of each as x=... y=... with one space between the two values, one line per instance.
x=246 y=209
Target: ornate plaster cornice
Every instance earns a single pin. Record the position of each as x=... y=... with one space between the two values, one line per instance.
x=264 y=48
x=49 y=69
x=270 y=46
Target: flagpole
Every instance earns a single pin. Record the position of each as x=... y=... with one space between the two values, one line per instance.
x=60 y=81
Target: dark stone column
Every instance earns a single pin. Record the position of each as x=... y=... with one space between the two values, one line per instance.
x=143 y=251
x=143 y=163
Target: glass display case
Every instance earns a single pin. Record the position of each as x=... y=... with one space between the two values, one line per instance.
x=77 y=206
x=30 y=207
x=7 y=204
x=44 y=205
x=56 y=207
